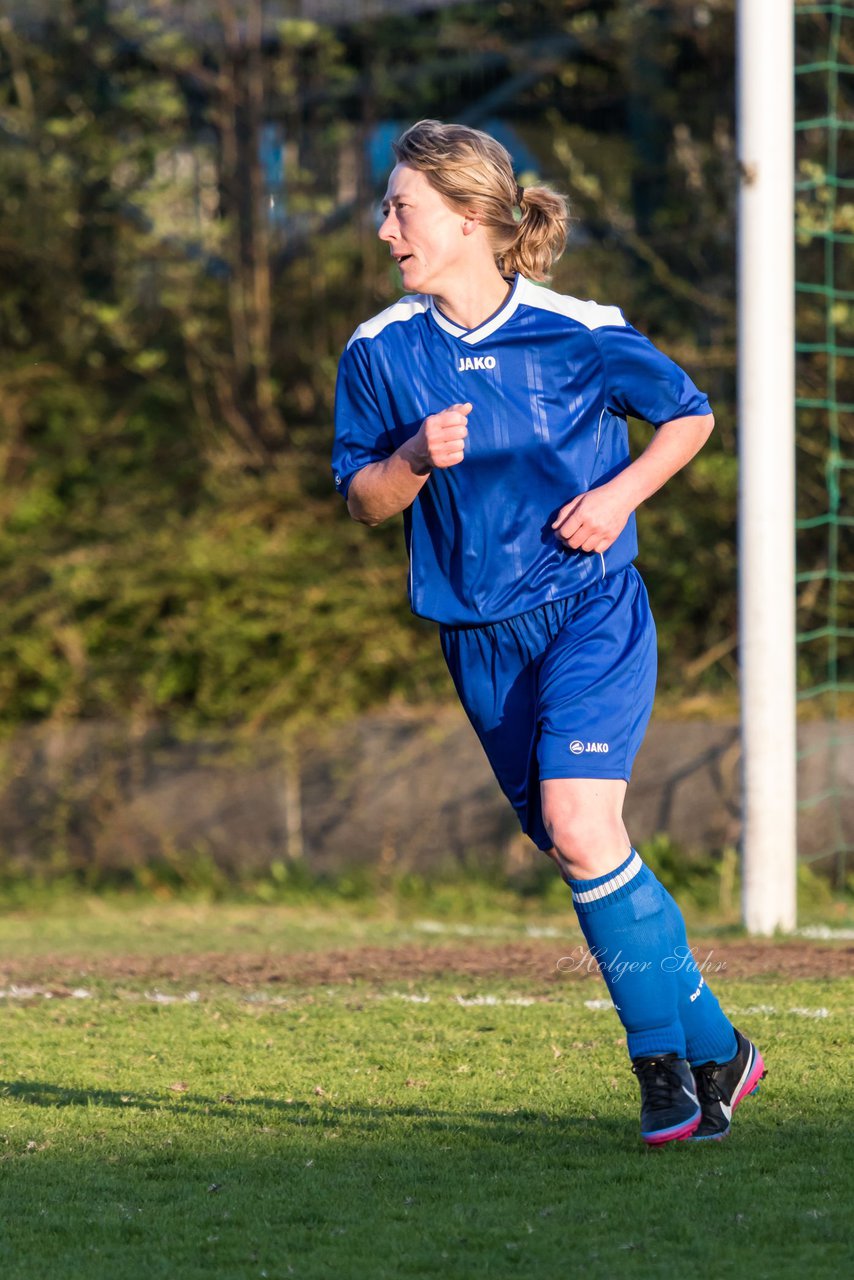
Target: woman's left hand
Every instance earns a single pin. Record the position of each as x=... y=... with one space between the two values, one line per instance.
x=592 y=521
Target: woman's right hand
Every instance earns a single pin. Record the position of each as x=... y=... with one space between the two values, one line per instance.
x=441 y=439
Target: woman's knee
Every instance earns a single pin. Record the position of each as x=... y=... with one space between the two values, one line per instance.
x=588 y=841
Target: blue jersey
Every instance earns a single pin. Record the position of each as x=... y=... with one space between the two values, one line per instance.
x=551 y=380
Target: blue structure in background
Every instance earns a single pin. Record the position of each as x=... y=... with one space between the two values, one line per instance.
x=381 y=157
x=272 y=156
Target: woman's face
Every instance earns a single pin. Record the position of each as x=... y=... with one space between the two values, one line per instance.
x=427 y=239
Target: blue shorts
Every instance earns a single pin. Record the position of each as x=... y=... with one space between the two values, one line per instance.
x=564 y=691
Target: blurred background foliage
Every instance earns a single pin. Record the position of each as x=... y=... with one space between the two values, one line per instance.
x=188 y=200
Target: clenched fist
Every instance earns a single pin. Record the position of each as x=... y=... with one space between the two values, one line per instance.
x=441 y=439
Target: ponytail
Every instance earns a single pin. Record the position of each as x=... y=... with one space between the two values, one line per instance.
x=540 y=235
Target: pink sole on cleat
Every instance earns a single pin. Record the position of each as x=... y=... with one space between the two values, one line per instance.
x=678 y=1134
x=751 y=1084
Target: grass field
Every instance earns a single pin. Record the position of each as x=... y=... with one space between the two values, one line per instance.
x=196 y=1091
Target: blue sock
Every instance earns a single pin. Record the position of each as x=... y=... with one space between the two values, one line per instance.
x=623 y=915
x=709 y=1035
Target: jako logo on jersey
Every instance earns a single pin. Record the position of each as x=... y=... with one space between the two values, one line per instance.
x=475 y=362
x=579 y=748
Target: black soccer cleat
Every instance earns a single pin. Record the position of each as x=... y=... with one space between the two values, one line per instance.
x=721 y=1087
x=670 y=1108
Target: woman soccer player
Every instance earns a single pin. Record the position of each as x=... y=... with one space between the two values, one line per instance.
x=492 y=413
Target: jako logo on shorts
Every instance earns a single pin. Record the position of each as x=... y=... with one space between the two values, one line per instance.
x=580 y=748
x=475 y=362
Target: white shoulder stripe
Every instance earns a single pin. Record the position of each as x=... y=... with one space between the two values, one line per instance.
x=591 y=314
x=414 y=304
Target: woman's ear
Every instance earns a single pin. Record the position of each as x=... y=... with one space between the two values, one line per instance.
x=471 y=222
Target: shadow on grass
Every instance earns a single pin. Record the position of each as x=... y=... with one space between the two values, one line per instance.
x=322 y=1112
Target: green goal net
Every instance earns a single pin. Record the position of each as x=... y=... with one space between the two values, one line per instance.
x=824 y=102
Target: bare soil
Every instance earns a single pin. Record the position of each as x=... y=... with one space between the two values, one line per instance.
x=539 y=964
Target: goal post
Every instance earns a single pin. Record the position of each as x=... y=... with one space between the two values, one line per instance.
x=766 y=432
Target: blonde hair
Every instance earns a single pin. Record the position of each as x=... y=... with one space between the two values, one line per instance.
x=474 y=172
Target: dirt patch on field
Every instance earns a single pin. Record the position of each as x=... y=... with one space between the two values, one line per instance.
x=537 y=963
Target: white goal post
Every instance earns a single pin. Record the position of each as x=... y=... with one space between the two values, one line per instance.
x=766 y=429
